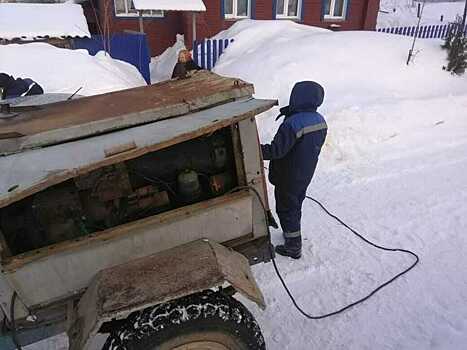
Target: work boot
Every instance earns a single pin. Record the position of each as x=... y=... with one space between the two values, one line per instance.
x=291 y=248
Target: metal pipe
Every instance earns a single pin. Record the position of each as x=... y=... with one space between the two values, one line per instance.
x=464 y=17
x=141 y=25
x=194 y=25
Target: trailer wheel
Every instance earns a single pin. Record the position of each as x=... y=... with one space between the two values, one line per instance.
x=202 y=321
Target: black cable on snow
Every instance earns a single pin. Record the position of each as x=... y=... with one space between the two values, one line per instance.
x=356 y=233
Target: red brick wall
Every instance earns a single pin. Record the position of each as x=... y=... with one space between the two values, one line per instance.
x=162 y=31
x=356 y=18
x=369 y=22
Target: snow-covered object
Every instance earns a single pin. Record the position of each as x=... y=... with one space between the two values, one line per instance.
x=170 y=5
x=397 y=13
x=29 y=21
x=65 y=71
x=357 y=69
x=161 y=67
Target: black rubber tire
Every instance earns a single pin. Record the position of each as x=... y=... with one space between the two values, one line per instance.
x=203 y=313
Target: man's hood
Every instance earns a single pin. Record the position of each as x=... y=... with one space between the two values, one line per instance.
x=306 y=96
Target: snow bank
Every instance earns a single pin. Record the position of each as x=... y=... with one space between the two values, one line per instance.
x=357 y=70
x=64 y=71
x=27 y=21
x=404 y=13
x=162 y=66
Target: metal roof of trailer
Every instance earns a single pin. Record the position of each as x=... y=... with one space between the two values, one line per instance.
x=170 y=5
x=28 y=172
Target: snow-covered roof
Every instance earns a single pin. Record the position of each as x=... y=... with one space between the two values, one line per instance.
x=170 y=5
x=29 y=21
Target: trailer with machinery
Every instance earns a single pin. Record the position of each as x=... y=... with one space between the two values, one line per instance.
x=130 y=219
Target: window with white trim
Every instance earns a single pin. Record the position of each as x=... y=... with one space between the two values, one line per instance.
x=335 y=9
x=237 y=8
x=126 y=8
x=288 y=8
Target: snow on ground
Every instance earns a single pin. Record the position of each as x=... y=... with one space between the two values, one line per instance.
x=65 y=71
x=27 y=21
x=393 y=167
x=404 y=13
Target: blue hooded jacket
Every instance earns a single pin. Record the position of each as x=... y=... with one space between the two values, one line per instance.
x=296 y=146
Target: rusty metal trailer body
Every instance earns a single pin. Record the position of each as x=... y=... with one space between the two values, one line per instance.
x=46 y=147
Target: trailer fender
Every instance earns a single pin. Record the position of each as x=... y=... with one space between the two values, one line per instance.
x=116 y=292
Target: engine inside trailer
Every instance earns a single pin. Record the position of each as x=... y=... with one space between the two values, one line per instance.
x=154 y=183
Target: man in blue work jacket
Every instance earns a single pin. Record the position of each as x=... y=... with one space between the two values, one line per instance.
x=294 y=155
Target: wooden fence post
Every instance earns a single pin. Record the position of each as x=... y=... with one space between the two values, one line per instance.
x=209 y=55
x=203 y=54
x=215 y=56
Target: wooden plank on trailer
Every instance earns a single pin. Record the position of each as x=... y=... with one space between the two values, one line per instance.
x=88 y=116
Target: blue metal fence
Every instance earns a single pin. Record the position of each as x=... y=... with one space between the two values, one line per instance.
x=206 y=53
x=129 y=47
x=424 y=32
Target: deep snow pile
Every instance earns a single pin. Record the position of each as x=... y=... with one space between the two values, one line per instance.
x=404 y=13
x=65 y=71
x=359 y=71
x=393 y=167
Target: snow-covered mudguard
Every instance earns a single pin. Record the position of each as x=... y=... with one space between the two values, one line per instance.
x=116 y=292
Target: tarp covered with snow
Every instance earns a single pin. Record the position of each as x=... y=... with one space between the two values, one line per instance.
x=29 y=21
x=170 y=5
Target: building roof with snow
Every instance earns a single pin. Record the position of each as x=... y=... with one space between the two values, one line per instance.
x=28 y=21
x=170 y=5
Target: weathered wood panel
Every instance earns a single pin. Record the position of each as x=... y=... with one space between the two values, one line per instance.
x=59 y=271
x=26 y=173
x=253 y=166
x=94 y=115
x=184 y=270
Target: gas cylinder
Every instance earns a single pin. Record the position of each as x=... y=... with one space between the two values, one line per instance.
x=189 y=186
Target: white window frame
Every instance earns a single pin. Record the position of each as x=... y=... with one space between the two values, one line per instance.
x=234 y=10
x=331 y=10
x=286 y=9
x=127 y=13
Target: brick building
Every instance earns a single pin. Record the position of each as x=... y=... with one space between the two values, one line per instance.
x=161 y=27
